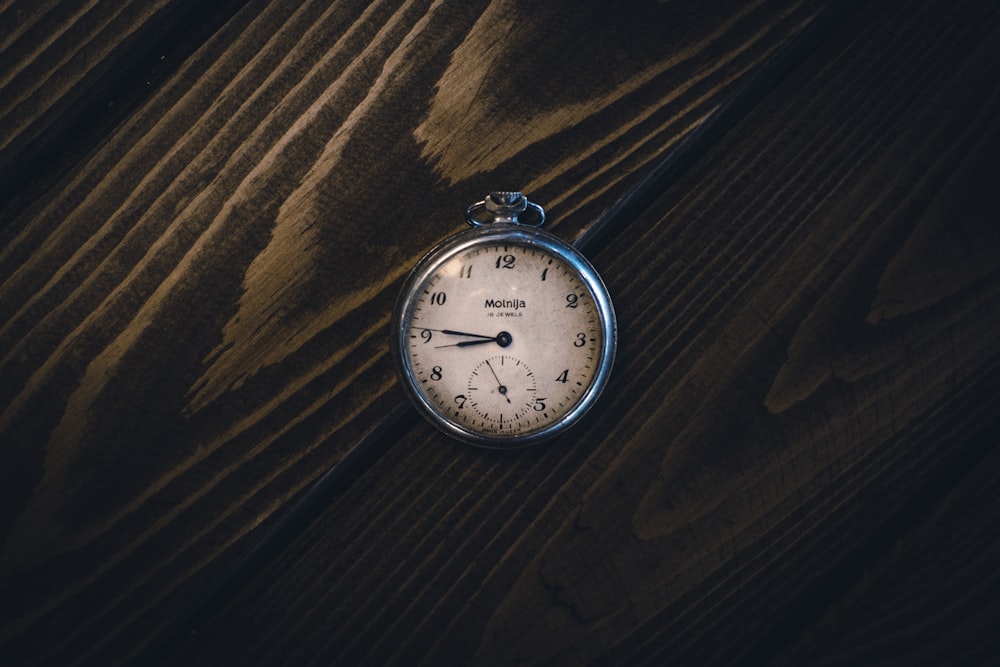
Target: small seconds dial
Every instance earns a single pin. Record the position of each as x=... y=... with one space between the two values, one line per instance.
x=502 y=390
x=503 y=338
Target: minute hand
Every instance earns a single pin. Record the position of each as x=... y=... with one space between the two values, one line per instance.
x=450 y=332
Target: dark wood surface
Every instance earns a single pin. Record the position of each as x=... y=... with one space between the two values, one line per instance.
x=205 y=458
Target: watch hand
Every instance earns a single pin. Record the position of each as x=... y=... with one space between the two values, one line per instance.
x=503 y=339
x=500 y=388
x=451 y=332
x=467 y=343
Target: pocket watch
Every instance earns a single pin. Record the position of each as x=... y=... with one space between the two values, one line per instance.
x=503 y=335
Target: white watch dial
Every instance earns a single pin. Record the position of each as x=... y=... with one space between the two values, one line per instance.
x=503 y=338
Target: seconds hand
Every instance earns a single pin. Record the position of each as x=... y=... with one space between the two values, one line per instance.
x=500 y=388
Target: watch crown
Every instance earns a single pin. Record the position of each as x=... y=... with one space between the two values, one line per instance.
x=506 y=199
x=506 y=206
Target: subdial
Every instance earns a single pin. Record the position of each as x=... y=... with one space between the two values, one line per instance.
x=501 y=390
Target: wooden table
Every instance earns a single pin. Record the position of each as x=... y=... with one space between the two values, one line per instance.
x=208 y=211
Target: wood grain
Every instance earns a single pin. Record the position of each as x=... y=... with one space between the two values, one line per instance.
x=51 y=52
x=70 y=72
x=193 y=317
x=809 y=325
x=931 y=595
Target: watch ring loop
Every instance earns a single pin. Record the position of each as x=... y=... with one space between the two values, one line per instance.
x=501 y=212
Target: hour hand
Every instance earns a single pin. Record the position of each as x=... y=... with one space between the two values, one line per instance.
x=467 y=343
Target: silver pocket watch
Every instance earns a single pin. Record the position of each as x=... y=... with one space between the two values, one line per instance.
x=503 y=335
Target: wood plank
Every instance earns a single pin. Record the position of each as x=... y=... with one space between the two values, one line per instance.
x=72 y=71
x=194 y=317
x=809 y=325
x=931 y=595
x=50 y=52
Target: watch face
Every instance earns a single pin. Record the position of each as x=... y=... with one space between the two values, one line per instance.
x=504 y=336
